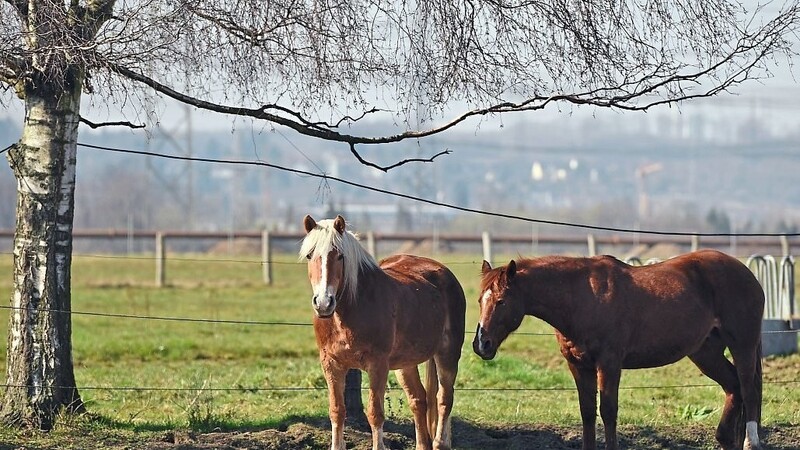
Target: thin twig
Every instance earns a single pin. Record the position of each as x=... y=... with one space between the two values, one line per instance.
x=397 y=164
x=122 y=123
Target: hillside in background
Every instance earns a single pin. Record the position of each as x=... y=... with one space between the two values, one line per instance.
x=666 y=171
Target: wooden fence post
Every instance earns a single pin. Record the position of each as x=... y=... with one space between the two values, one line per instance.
x=487 y=246
x=161 y=262
x=371 y=244
x=785 y=246
x=353 y=405
x=592 y=244
x=695 y=242
x=266 y=257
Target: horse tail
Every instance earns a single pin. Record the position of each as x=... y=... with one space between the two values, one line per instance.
x=431 y=389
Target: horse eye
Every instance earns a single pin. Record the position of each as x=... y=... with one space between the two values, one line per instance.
x=308 y=256
x=502 y=301
x=341 y=257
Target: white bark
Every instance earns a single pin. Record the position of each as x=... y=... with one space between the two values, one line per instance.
x=40 y=370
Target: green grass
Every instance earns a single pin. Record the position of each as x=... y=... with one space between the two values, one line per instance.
x=225 y=372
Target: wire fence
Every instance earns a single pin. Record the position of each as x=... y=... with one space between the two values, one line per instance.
x=251 y=322
x=784 y=243
x=254 y=389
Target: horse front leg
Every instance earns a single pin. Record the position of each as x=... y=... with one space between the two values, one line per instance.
x=447 y=380
x=608 y=379
x=334 y=377
x=378 y=374
x=586 y=382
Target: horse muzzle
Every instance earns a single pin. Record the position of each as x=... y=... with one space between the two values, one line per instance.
x=324 y=305
x=483 y=346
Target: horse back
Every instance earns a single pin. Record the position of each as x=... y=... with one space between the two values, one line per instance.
x=659 y=313
x=429 y=301
x=692 y=294
x=734 y=291
x=722 y=279
x=429 y=280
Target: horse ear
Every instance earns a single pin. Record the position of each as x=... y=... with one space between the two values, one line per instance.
x=309 y=223
x=486 y=267
x=338 y=224
x=511 y=269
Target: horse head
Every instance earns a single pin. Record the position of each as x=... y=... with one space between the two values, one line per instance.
x=501 y=308
x=325 y=262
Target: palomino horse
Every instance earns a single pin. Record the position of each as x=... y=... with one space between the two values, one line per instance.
x=380 y=317
x=611 y=316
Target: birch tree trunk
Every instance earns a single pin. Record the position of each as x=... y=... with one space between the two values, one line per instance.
x=40 y=375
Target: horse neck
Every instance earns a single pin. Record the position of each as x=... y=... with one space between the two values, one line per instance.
x=368 y=279
x=548 y=296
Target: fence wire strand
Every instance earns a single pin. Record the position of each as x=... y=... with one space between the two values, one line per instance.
x=277 y=323
x=247 y=322
x=245 y=389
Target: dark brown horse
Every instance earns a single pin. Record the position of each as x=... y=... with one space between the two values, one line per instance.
x=379 y=317
x=611 y=316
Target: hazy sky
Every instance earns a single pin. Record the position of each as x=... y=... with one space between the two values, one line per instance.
x=773 y=99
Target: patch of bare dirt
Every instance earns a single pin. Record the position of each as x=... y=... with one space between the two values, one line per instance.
x=315 y=434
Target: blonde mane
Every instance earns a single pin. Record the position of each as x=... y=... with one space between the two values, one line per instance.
x=324 y=237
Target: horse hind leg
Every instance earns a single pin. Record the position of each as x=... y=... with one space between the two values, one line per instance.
x=747 y=361
x=412 y=385
x=431 y=393
x=710 y=359
x=446 y=369
x=608 y=379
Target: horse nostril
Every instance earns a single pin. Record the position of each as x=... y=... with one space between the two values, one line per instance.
x=314 y=300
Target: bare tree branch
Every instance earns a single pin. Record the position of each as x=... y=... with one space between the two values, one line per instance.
x=397 y=164
x=620 y=96
x=299 y=124
x=95 y=125
x=493 y=51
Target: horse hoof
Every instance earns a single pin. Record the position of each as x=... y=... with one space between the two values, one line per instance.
x=751 y=446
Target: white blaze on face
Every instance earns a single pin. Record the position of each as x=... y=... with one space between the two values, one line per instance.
x=323 y=289
x=484 y=298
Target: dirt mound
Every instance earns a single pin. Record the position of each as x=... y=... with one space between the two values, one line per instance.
x=424 y=247
x=238 y=247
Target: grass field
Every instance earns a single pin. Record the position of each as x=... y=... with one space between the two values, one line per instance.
x=140 y=377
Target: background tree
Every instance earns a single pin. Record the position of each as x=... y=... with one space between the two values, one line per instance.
x=318 y=67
